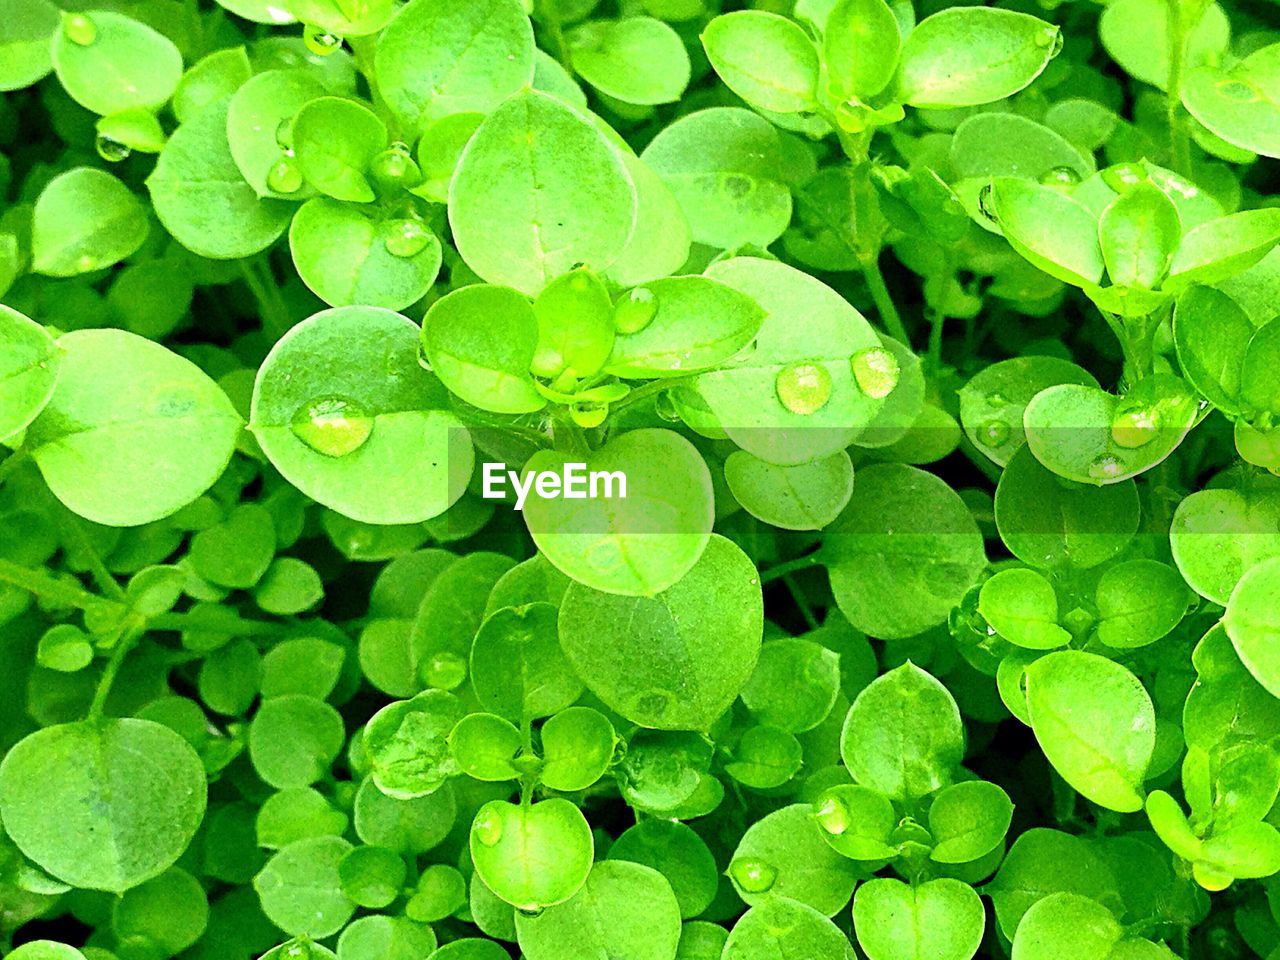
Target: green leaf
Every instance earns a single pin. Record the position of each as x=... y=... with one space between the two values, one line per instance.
x=105 y=805
x=903 y=735
x=968 y=820
x=300 y=888
x=966 y=56
x=577 y=748
x=1135 y=33
x=1082 y=925
x=765 y=59
x=1217 y=535
x=1139 y=601
x=132 y=432
x=458 y=56
x=639 y=544
x=903 y=552
x=697 y=324
x=518 y=669
x=1252 y=623
x=406 y=743
x=765 y=758
x=805 y=497
x=795 y=684
x=679 y=854
x=344 y=18
x=1218 y=249
x=125 y=63
x=940 y=919
x=1022 y=607
x=25 y=34
x=377 y=450
x=636 y=60
x=28 y=372
x=623 y=910
x=1095 y=723
x=1242 y=104
x=1043 y=862
x=260 y=133
x=1049 y=228
x=484 y=746
x=726 y=168
x=1258 y=390
x=860 y=46
x=85 y=220
x=202 y=199
x=539 y=190
x=677 y=660
x=777 y=926
x=532 y=856
x=480 y=342
x=857 y=822
x=809 y=332
x=294 y=739
x=1138 y=233
x=575 y=326
x=996 y=144
x=212 y=80
x=335 y=141
x=1212 y=334
x=344 y=253
x=783 y=855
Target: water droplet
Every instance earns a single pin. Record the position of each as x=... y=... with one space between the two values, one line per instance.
x=985 y=205
x=113 y=151
x=1135 y=427
x=589 y=414
x=853 y=116
x=395 y=166
x=284 y=176
x=876 y=372
x=803 y=388
x=319 y=42
x=444 y=670
x=665 y=407
x=1121 y=176
x=752 y=875
x=1238 y=90
x=333 y=426
x=405 y=238
x=79 y=29
x=994 y=433
x=635 y=311
x=487 y=827
x=1106 y=467
x=284 y=134
x=832 y=815
x=531 y=912
x=1060 y=177
x=1050 y=37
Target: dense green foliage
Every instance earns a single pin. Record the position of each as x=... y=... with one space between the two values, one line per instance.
x=938 y=346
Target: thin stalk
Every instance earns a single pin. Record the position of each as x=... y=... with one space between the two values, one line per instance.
x=184 y=622
x=802 y=602
x=570 y=438
x=72 y=529
x=109 y=672
x=46 y=587
x=1179 y=136
x=884 y=303
x=807 y=562
x=936 y=322
x=650 y=389
x=271 y=309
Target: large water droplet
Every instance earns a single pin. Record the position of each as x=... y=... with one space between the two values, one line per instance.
x=333 y=426
x=665 y=407
x=753 y=875
x=284 y=134
x=1060 y=177
x=284 y=176
x=1050 y=37
x=113 y=151
x=487 y=827
x=444 y=670
x=876 y=372
x=405 y=238
x=1238 y=91
x=635 y=311
x=994 y=433
x=986 y=206
x=79 y=29
x=1106 y=467
x=1135 y=427
x=803 y=388
x=319 y=42
x=1121 y=176
x=395 y=166
x=589 y=414
x=832 y=815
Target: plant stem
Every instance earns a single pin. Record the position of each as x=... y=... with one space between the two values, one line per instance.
x=71 y=528
x=46 y=587
x=801 y=601
x=569 y=437
x=650 y=389
x=1179 y=136
x=806 y=562
x=125 y=644
x=936 y=322
x=884 y=303
x=271 y=309
x=184 y=622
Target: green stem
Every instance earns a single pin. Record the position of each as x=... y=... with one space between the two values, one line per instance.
x=271 y=309
x=807 y=562
x=46 y=587
x=185 y=622
x=801 y=601
x=72 y=530
x=937 y=321
x=125 y=644
x=1179 y=136
x=884 y=303
x=570 y=438
x=650 y=389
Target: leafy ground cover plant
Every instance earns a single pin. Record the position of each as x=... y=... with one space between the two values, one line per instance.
x=937 y=347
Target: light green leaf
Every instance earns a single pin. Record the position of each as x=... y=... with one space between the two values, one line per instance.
x=636 y=60
x=942 y=919
x=125 y=64
x=764 y=58
x=85 y=220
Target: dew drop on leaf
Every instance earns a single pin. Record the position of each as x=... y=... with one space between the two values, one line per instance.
x=284 y=134
x=319 y=42
x=665 y=407
x=395 y=166
x=832 y=815
x=803 y=388
x=589 y=414
x=333 y=426
x=405 y=238
x=1135 y=428
x=753 y=875
x=487 y=827
x=1060 y=177
x=444 y=670
x=113 y=151
x=994 y=433
x=1050 y=37
x=876 y=372
x=853 y=116
x=79 y=29
x=1104 y=468
x=984 y=204
x=284 y=176
x=1121 y=176
x=635 y=311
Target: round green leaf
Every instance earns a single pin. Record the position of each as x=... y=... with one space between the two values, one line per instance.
x=636 y=60
x=1252 y=623
x=968 y=820
x=301 y=888
x=676 y=852
x=1022 y=607
x=259 y=128
x=577 y=748
x=784 y=855
x=777 y=927
x=85 y=220
x=942 y=919
x=795 y=684
x=1241 y=105
x=532 y=856
x=28 y=371
x=26 y=28
x=125 y=64
x=294 y=739
x=335 y=141
x=518 y=669
x=764 y=58
x=804 y=497
x=1216 y=535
